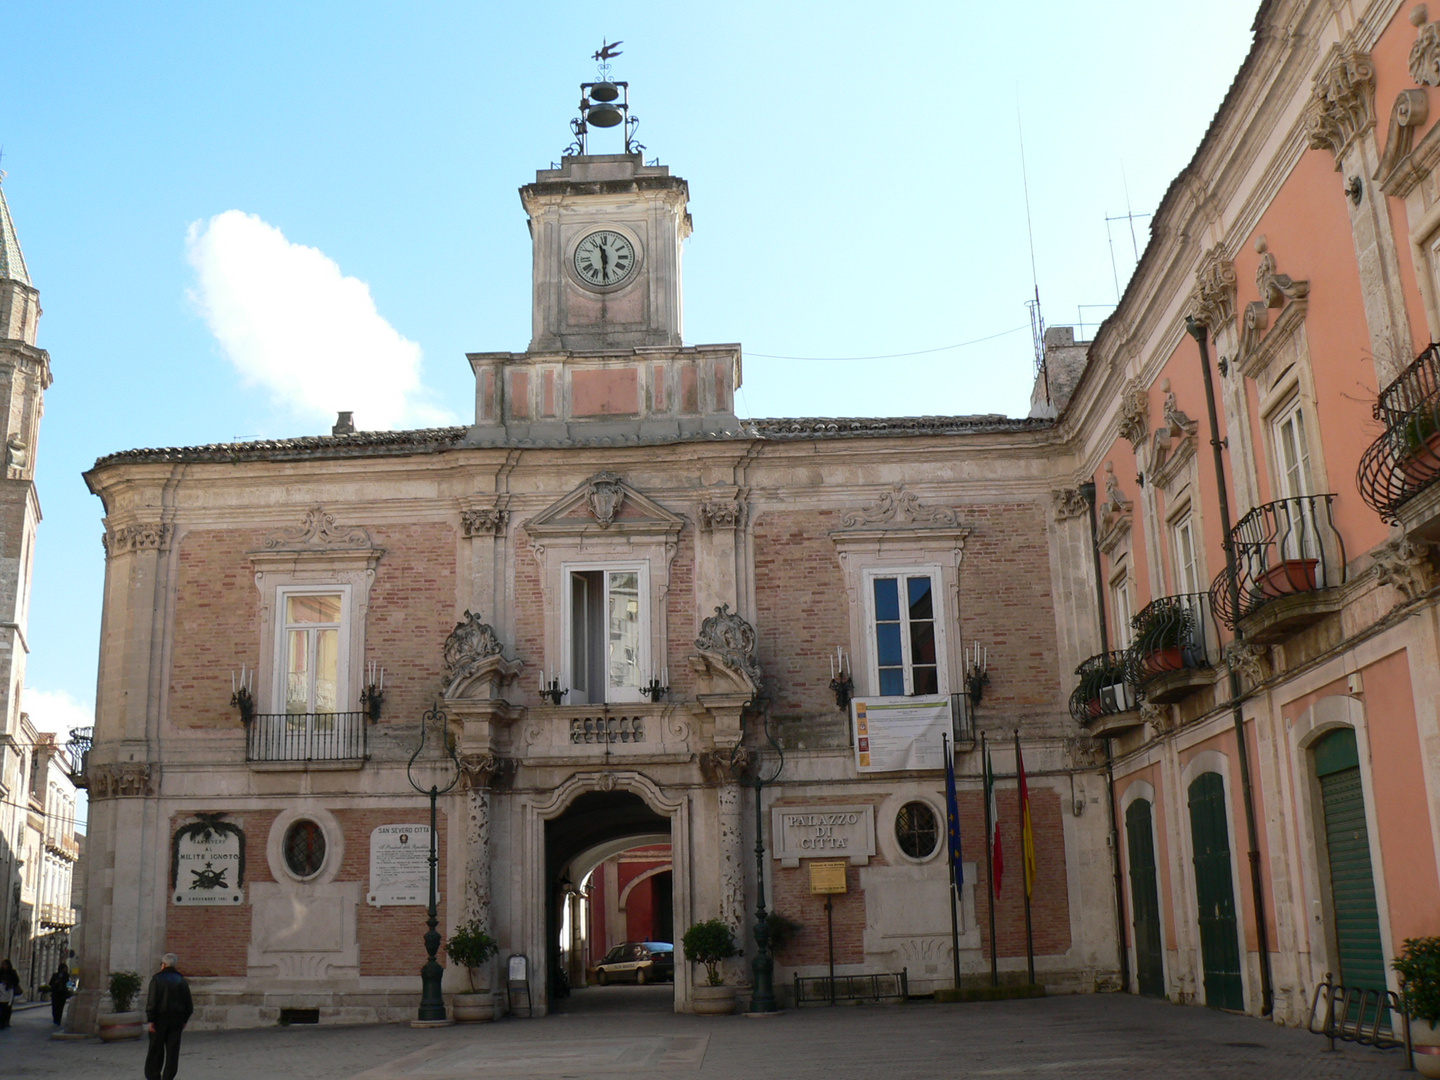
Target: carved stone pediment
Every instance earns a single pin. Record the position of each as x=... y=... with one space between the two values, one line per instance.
x=1341 y=106
x=318 y=543
x=605 y=504
x=726 y=653
x=1396 y=173
x=898 y=508
x=475 y=664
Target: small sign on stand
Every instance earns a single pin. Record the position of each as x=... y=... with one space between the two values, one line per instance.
x=827 y=879
x=517 y=970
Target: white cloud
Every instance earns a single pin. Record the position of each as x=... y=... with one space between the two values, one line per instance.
x=290 y=321
x=56 y=711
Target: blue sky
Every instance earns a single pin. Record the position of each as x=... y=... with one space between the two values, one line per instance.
x=854 y=173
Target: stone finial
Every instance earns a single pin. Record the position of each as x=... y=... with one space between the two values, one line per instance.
x=1275 y=288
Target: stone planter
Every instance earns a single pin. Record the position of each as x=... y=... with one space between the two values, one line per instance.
x=712 y=1000
x=1425 y=1041
x=473 y=1008
x=117 y=1026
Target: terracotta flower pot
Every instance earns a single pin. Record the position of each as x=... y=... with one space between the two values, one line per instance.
x=473 y=1008
x=712 y=1000
x=1423 y=464
x=1425 y=1040
x=1163 y=660
x=113 y=1027
x=1287 y=577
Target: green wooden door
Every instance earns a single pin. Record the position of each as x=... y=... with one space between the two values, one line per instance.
x=1145 y=899
x=1215 y=893
x=1352 y=881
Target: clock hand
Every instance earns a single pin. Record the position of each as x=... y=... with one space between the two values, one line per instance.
x=605 y=261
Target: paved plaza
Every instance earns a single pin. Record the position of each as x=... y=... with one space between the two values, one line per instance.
x=626 y=1031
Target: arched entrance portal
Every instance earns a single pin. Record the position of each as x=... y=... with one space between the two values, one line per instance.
x=588 y=819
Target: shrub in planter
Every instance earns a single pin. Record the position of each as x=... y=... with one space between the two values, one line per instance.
x=123 y=1023
x=1418 y=966
x=709 y=943
x=125 y=988
x=1162 y=632
x=470 y=947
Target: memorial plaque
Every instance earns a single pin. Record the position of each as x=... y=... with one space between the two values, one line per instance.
x=828 y=877
x=399 y=865
x=209 y=863
x=897 y=736
x=808 y=832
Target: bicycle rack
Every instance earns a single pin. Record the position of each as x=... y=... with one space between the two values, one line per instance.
x=1350 y=1025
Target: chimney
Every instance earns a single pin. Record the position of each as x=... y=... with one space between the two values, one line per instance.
x=344 y=425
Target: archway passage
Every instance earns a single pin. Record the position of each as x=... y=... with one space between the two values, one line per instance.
x=599 y=826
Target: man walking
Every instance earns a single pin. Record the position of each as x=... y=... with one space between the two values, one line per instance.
x=167 y=1007
x=59 y=993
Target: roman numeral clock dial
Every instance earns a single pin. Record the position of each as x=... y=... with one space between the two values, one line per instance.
x=604 y=259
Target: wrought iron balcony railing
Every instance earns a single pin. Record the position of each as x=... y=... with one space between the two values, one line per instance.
x=79 y=747
x=1405 y=459
x=337 y=736
x=1284 y=548
x=1105 y=688
x=1174 y=633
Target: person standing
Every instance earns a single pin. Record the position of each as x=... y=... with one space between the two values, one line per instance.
x=167 y=1008
x=59 y=992
x=9 y=987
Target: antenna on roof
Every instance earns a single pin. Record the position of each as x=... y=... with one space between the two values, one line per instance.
x=1131 y=217
x=1037 y=320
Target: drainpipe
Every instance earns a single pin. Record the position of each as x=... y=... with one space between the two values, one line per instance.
x=1242 y=751
x=1087 y=492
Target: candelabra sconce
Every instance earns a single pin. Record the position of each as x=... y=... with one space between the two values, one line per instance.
x=372 y=694
x=842 y=679
x=242 y=696
x=977 y=673
x=654 y=691
x=550 y=690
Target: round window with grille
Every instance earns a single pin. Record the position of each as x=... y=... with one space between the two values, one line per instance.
x=304 y=849
x=917 y=830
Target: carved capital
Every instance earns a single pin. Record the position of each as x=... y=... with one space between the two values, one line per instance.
x=1425 y=53
x=1213 y=302
x=479 y=771
x=722 y=514
x=122 y=778
x=146 y=537
x=1406 y=564
x=1342 y=101
x=485 y=522
x=1158 y=717
x=1068 y=503
x=726 y=765
x=1251 y=661
x=1084 y=751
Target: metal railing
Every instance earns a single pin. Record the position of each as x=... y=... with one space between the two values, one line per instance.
x=1281 y=548
x=338 y=736
x=1405 y=459
x=1171 y=634
x=79 y=747
x=1105 y=688
x=812 y=990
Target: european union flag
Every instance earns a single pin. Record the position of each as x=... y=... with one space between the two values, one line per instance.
x=952 y=816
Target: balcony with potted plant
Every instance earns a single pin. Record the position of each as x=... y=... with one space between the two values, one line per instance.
x=1105 y=702
x=1174 y=649
x=1289 y=562
x=1398 y=471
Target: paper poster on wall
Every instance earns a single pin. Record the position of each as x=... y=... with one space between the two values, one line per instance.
x=208 y=862
x=399 y=865
x=894 y=735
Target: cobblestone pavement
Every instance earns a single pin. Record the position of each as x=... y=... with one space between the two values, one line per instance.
x=625 y=1030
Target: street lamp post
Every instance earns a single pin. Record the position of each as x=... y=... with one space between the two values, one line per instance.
x=432 y=1004
x=762 y=968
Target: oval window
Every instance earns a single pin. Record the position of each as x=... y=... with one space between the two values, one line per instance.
x=304 y=849
x=917 y=830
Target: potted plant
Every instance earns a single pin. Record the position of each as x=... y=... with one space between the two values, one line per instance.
x=709 y=943
x=1418 y=966
x=122 y=1023
x=1421 y=444
x=470 y=947
x=1162 y=633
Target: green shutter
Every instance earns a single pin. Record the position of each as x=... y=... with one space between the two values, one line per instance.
x=1352 y=880
x=1145 y=899
x=1215 y=894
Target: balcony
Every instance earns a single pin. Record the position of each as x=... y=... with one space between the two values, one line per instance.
x=1175 y=647
x=1288 y=561
x=1106 y=702
x=1397 y=472
x=57 y=843
x=57 y=916
x=341 y=738
x=79 y=747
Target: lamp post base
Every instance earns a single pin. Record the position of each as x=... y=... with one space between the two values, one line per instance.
x=431 y=1023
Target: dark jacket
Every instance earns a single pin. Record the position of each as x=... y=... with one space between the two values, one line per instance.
x=60 y=984
x=168 y=1001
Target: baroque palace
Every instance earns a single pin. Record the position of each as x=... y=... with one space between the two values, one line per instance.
x=1201 y=575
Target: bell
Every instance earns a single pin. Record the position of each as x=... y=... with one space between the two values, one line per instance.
x=604 y=91
x=603 y=115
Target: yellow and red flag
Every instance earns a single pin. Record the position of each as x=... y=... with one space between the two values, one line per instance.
x=1027 y=830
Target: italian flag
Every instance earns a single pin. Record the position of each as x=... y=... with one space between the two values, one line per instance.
x=997 y=858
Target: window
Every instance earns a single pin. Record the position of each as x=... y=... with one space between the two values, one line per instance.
x=1292 y=454
x=917 y=830
x=304 y=848
x=1187 y=571
x=311 y=641
x=1120 y=608
x=608 y=623
x=906 y=633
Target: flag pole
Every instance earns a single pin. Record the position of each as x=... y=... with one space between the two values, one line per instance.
x=952 y=808
x=1026 y=856
x=989 y=863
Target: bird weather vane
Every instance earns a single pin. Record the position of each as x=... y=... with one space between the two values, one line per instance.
x=604 y=104
x=608 y=50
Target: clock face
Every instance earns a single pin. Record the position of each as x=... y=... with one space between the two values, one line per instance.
x=604 y=259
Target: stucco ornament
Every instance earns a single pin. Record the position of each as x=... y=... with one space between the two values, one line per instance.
x=1406 y=564
x=727 y=639
x=1425 y=53
x=605 y=494
x=318 y=530
x=1341 y=106
x=899 y=506
x=1215 y=287
x=1275 y=288
x=468 y=645
x=1069 y=503
x=1133 y=421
